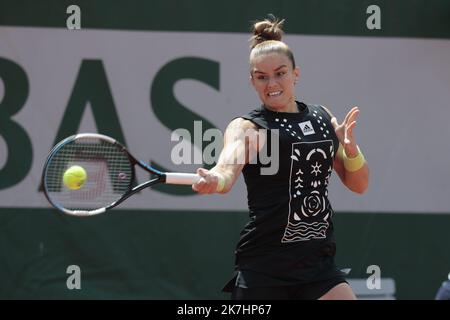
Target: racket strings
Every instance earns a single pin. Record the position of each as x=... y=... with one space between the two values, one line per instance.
x=109 y=174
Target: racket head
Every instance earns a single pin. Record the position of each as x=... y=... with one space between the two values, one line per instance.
x=110 y=174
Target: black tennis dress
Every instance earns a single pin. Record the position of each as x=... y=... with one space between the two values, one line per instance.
x=289 y=239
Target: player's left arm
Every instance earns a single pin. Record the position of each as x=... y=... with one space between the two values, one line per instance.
x=355 y=177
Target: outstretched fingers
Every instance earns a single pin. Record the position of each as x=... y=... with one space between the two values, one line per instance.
x=351 y=115
x=349 y=132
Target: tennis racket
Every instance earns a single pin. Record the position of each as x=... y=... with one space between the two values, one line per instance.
x=109 y=174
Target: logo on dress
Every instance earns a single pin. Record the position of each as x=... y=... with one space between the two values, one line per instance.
x=307 y=128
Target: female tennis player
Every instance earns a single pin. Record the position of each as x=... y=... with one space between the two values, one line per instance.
x=287 y=249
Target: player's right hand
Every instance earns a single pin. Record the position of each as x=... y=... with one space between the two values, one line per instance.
x=208 y=183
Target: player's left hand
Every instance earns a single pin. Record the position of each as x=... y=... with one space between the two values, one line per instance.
x=344 y=131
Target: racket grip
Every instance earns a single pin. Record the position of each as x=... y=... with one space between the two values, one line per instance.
x=181 y=178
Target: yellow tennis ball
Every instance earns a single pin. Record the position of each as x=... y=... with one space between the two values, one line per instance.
x=74 y=177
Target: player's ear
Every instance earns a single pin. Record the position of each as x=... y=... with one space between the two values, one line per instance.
x=297 y=74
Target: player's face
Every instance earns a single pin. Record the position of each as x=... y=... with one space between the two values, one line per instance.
x=274 y=79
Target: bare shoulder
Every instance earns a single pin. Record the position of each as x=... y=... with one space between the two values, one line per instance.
x=245 y=131
x=241 y=124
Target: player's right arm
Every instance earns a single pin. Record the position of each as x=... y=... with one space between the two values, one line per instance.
x=242 y=141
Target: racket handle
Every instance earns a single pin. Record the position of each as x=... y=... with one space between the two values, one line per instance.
x=181 y=178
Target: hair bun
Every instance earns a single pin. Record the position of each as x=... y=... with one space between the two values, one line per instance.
x=267 y=29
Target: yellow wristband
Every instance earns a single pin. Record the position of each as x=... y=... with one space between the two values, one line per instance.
x=220 y=182
x=354 y=164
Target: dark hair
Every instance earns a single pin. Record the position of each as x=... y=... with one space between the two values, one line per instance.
x=267 y=35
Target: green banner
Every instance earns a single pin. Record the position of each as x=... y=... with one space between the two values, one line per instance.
x=399 y=18
x=143 y=254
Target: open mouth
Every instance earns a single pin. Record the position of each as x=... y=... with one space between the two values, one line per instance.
x=274 y=94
